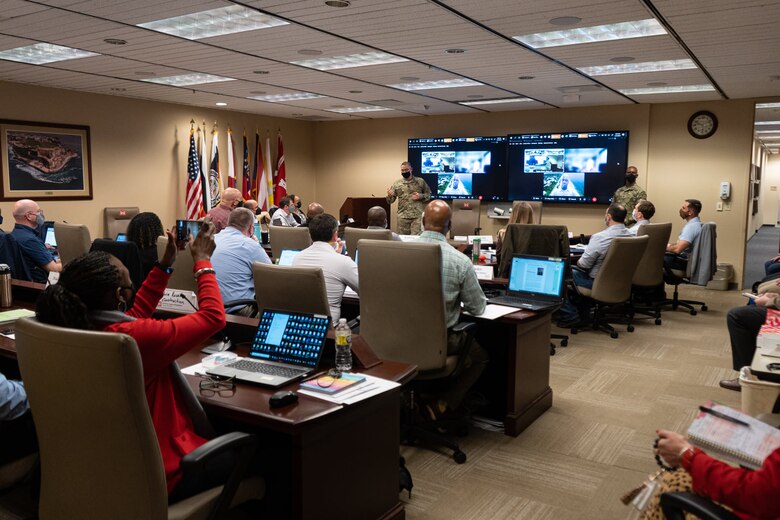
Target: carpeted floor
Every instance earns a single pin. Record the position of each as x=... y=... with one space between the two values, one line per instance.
x=761 y=247
x=595 y=443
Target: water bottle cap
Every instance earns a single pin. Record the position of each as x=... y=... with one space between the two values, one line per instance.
x=4 y=268
x=342 y=320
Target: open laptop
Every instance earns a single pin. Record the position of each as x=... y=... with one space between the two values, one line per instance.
x=49 y=237
x=121 y=237
x=286 y=258
x=535 y=283
x=287 y=346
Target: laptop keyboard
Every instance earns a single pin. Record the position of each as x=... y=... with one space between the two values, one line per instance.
x=264 y=368
x=517 y=301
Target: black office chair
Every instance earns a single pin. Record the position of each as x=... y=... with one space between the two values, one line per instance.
x=675 y=505
x=11 y=255
x=127 y=253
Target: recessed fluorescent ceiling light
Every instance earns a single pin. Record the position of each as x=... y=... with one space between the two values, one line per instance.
x=598 y=33
x=768 y=131
x=667 y=90
x=768 y=105
x=352 y=60
x=631 y=68
x=42 y=53
x=354 y=110
x=767 y=123
x=444 y=83
x=496 y=101
x=214 y=22
x=187 y=79
x=291 y=96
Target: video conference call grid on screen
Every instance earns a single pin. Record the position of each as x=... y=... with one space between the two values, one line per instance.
x=576 y=167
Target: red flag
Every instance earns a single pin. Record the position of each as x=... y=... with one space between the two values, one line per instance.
x=194 y=194
x=280 y=186
x=245 y=173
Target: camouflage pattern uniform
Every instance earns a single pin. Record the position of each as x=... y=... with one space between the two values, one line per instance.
x=410 y=211
x=628 y=197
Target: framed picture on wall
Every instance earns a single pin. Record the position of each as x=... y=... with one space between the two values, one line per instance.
x=44 y=161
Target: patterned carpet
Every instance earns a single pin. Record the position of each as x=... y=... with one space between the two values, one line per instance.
x=595 y=443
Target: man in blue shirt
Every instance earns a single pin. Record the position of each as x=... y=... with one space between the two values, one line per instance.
x=16 y=426
x=233 y=257
x=29 y=219
x=676 y=256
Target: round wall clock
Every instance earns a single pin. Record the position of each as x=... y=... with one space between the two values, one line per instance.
x=702 y=124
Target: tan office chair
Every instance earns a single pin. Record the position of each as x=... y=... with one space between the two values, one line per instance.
x=182 y=277
x=702 y=264
x=295 y=238
x=648 y=284
x=294 y=289
x=612 y=286
x=115 y=220
x=402 y=317
x=535 y=205
x=73 y=240
x=465 y=217
x=354 y=235
x=99 y=453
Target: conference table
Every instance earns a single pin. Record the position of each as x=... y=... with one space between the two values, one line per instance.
x=319 y=459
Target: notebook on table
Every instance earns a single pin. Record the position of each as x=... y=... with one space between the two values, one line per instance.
x=535 y=283
x=287 y=346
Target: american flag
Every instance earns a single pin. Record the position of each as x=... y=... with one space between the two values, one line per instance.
x=194 y=193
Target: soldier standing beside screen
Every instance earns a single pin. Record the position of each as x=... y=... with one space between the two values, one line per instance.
x=628 y=195
x=413 y=194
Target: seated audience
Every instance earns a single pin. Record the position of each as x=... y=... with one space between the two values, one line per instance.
x=94 y=293
x=143 y=230
x=377 y=219
x=228 y=202
x=29 y=218
x=522 y=213
x=772 y=266
x=749 y=494
x=589 y=264
x=16 y=425
x=339 y=270
x=251 y=205
x=314 y=209
x=460 y=285
x=233 y=257
x=643 y=212
x=676 y=256
x=283 y=216
x=296 y=212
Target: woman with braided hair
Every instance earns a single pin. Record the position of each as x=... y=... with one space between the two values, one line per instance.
x=143 y=230
x=94 y=292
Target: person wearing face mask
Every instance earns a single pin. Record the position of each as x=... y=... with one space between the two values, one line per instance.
x=295 y=209
x=283 y=216
x=29 y=218
x=643 y=212
x=676 y=256
x=220 y=213
x=630 y=194
x=412 y=194
x=589 y=264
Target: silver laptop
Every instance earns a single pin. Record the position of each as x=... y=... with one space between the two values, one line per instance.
x=287 y=346
x=535 y=283
x=287 y=256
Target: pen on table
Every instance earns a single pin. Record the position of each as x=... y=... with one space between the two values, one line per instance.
x=723 y=416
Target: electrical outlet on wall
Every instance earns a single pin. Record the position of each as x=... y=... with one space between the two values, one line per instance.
x=727 y=206
x=719 y=206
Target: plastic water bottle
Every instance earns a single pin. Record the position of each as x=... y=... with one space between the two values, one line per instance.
x=343 y=346
x=476 y=248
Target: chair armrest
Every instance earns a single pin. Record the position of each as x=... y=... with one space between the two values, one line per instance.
x=235 y=303
x=673 y=505
x=217 y=445
x=354 y=323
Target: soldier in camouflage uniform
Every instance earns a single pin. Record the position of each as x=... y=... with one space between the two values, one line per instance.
x=630 y=194
x=413 y=194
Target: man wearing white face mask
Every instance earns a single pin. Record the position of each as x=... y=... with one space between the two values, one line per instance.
x=642 y=214
x=29 y=218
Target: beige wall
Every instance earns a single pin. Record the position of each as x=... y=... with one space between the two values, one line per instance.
x=673 y=166
x=139 y=149
x=770 y=190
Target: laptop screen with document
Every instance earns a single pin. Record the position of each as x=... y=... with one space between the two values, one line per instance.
x=537 y=275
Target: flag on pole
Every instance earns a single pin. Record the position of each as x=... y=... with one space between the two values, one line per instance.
x=245 y=173
x=260 y=186
x=215 y=179
x=231 y=181
x=204 y=169
x=280 y=188
x=194 y=194
x=269 y=171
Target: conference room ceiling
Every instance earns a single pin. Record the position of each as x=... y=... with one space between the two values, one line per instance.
x=466 y=49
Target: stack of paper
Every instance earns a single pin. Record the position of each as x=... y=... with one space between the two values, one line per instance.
x=769 y=335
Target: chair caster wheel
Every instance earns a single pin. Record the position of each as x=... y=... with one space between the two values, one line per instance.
x=630 y=328
x=564 y=342
x=658 y=321
x=459 y=457
x=693 y=312
x=704 y=308
x=613 y=335
x=552 y=351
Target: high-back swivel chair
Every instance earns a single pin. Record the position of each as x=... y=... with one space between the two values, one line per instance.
x=465 y=217
x=116 y=220
x=355 y=235
x=182 y=277
x=649 y=275
x=702 y=264
x=295 y=238
x=73 y=240
x=293 y=289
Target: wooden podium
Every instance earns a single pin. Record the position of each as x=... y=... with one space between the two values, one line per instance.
x=357 y=208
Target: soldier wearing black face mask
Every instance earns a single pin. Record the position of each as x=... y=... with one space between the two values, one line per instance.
x=629 y=195
x=413 y=194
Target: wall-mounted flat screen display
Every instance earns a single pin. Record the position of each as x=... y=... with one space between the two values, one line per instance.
x=577 y=167
x=461 y=167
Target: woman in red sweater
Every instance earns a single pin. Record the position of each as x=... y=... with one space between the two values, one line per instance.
x=95 y=293
x=749 y=494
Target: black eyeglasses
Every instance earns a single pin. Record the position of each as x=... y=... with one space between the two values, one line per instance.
x=215 y=385
x=328 y=379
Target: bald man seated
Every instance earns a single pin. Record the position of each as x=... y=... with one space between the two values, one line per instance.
x=460 y=285
x=313 y=209
x=377 y=219
x=29 y=217
x=220 y=213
